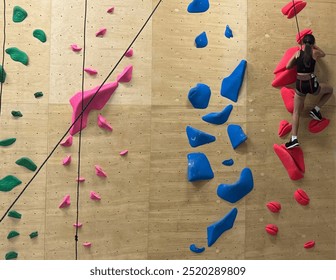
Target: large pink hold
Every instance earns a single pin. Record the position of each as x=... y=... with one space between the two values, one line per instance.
x=101 y=32
x=66 y=160
x=129 y=53
x=100 y=172
x=91 y=71
x=97 y=103
x=284 y=128
x=75 y=48
x=126 y=75
x=94 y=196
x=316 y=126
x=285 y=77
x=281 y=66
x=67 y=142
x=65 y=202
x=102 y=122
x=287 y=95
x=302 y=33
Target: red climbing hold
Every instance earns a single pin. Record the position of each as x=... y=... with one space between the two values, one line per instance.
x=289 y=10
x=287 y=95
x=301 y=197
x=316 y=126
x=272 y=229
x=284 y=128
x=303 y=33
x=309 y=244
x=285 y=77
x=292 y=160
x=274 y=206
x=285 y=58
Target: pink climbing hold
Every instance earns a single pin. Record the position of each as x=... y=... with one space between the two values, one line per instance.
x=292 y=160
x=91 y=71
x=110 y=10
x=67 y=142
x=123 y=153
x=281 y=66
x=100 y=172
x=129 y=53
x=126 y=75
x=75 y=48
x=97 y=103
x=301 y=197
x=94 y=196
x=316 y=126
x=284 y=78
x=101 y=32
x=80 y=179
x=78 y=225
x=287 y=95
x=303 y=33
x=65 y=202
x=102 y=122
x=87 y=244
x=284 y=128
x=309 y=244
x=274 y=206
x=66 y=160
x=272 y=229
x=292 y=8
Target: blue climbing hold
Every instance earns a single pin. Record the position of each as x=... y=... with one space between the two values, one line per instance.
x=228 y=162
x=228 y=32
x=236 y=135
x=215 y=230
x=199 y=96
x=198 y=6
x=218 y=117
x=197 y=137
x=201 y=40
x=236 y=191
x=195 y=249
x=231 y=85
x=199 y=167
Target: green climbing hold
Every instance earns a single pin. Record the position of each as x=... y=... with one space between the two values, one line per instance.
x=11 y=255
x=8 y=183
x=19 y=14
x=17 y=114
x=38 y=94
x=2 y=74
x=14 y=214
x=33 y=234
x=26 y=162
x=12 y=234
x=18 y=55
x=39 y=34
x=7 y=142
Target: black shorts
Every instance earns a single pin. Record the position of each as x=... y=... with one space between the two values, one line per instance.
x=310 y=86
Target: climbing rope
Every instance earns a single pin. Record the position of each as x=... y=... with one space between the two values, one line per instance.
x=297 y=23
x=3 y=53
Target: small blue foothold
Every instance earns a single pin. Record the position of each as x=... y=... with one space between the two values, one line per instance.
x=236 y=135
x=199 y=167
x=198 y=6
x=215 y=230
x=199 y=96
x=197 y=137
x=228 y=162
x=231 y=85
x=218 y=117
x=196 y=249
x=236 y=191
x=228 y=32
x=201 y=41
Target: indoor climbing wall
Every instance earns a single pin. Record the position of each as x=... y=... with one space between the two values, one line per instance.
x=138 y=196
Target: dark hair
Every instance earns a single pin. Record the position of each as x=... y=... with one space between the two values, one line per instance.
x=309 y=41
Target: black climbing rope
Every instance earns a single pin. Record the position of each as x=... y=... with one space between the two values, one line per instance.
x=3 y=53
x=80 y=130
x=80 y=115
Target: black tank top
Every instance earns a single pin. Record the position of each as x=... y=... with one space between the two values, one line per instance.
x=301 y=68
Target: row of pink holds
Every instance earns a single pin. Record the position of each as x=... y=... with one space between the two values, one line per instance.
x=66 y=199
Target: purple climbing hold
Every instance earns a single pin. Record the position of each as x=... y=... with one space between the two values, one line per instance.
x=236 y=191
x=228 y=32
x=218 y=117
x=197 y=137
x=215 y=230
x=231 y=85
x=199 y=96
x=198 y=6
x=199 y=167
x=236 y=135
x=201 y=41
x=195 y=249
